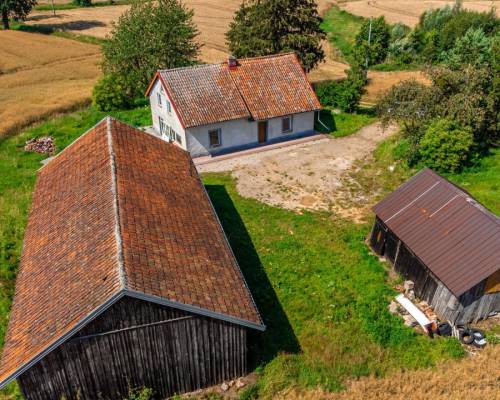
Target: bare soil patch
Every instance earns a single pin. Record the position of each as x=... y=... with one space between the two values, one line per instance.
x=407 y=11
x=41 y=75
x=309 y=176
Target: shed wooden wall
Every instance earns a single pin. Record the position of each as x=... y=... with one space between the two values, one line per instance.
x=471 y=306
x=106 y=357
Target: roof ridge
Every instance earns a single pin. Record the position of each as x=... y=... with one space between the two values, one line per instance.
x=119 y=244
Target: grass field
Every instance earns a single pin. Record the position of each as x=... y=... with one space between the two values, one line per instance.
x=344 y=124
x=41 y=75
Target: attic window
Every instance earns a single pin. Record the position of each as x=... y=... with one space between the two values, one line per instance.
x=158 y=99
x=286 y=124
x=214 y=137
x=169 y=107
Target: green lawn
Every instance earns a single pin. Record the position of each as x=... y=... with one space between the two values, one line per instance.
x=322 y=295
x=343 y=124
x=341 y=28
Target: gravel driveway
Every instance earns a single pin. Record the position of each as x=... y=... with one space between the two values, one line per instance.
x=304 y=176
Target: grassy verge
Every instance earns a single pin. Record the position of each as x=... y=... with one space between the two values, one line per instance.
x=71 y=6
x=47 y=30
x=341 y=28
x=344 y=124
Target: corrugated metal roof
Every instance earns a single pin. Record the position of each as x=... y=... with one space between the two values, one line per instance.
x=456 y=237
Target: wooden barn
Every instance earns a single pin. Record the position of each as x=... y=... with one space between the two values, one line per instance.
x=126 y=278
x=437 y=235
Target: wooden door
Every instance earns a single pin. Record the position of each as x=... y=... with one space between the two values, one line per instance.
x=262 y=131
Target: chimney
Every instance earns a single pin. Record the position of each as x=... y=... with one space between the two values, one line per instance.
x=232 y=62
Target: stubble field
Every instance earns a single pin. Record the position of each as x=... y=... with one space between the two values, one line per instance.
x=41 y=75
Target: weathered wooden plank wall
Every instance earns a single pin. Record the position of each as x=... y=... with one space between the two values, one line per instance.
x=107 y=357
x=469 y=307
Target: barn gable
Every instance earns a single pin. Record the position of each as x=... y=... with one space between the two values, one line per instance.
x=118 y=213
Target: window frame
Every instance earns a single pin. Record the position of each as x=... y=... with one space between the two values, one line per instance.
x=290 y=128
x=219 y=137
x=169 y=106
x=158 y=100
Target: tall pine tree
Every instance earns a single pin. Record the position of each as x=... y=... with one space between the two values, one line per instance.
x=264 y=27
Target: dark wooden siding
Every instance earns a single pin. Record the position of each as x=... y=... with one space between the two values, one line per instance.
x=139 y=344
x=473 y=305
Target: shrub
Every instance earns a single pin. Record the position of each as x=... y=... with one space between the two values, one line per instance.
x=110 y=93
x=140 y=394
x=445 y=145
x=83 y=3
x=151 y=35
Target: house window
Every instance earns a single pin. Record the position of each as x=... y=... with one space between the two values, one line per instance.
x=178 y=138
x=162 y=125
x=158 y=99
x=169 y=107
x=286 y=124
x=214 y=137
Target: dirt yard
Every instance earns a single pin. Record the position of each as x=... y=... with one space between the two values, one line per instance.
x=306 y=176
x=41 y=75
x=407 y=11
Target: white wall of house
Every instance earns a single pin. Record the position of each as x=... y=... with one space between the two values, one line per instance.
x=242 y=132
x=235 y=134
x=170 y=118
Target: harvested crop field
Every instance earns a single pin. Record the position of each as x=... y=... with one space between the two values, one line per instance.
x=474 y=378
x=41 y=75
x=212 y=18
x=407 y=11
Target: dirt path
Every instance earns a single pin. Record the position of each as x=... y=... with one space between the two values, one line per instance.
x=307 y=176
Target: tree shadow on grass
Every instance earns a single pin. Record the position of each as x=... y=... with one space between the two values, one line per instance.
x=279 y=335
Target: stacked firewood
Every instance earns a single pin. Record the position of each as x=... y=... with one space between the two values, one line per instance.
x=43 y=145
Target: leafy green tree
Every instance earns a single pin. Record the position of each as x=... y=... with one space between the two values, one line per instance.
x=110 y=93
x=445 y=145
x=264 y=27
x=15 y=9
x=471 y=49
x=151 y=35
x=374 y=45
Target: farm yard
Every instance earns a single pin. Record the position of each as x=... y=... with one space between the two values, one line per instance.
x=41 y=74
x=297 y=215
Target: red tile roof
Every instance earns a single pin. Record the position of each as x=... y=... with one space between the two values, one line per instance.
x=451 y=233
x=118 y=212
x=258 y=88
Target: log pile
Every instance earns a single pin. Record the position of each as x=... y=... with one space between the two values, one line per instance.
x=43 y=145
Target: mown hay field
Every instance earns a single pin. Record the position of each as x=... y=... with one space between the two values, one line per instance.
x=408 y=11
x=474 y=378
x=42 y=75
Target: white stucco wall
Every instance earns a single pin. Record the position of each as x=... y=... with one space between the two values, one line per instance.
x=171 y=119
x=242 y=132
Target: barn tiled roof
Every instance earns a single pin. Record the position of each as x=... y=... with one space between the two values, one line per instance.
x=118 y=212
x=258 y=88
x=451 y=233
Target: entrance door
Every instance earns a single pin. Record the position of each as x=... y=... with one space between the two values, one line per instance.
x=262 y=131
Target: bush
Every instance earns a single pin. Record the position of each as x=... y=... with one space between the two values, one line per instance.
x=110 y=93
x=83 y=3
x=140 y=394
x=380 y=36
x=151 y=35
x=445 y=145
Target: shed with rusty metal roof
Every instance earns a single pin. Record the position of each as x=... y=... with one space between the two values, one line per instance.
x=126 y=277
x=437 y=235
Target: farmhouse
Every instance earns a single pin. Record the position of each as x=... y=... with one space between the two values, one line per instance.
x=438 y=236
x=209 y=109
x=126 y=277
